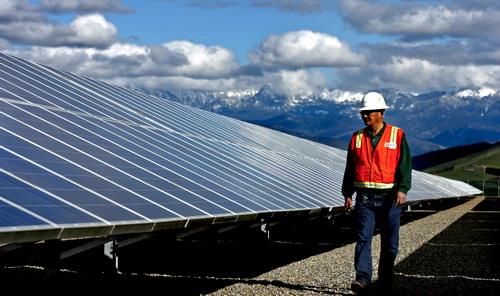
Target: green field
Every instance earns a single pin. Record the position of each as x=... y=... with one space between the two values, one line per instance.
x=473 y=169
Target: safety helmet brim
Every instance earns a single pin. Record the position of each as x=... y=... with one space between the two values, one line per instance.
x=383 y=107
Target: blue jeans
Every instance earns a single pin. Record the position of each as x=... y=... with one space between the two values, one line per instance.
x=371 y=210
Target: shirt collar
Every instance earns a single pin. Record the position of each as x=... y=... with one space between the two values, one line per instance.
x=379 y=133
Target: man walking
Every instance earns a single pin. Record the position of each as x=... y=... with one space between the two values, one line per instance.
x=378 y=169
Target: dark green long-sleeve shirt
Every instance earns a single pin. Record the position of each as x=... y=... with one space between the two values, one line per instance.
x=403 y=171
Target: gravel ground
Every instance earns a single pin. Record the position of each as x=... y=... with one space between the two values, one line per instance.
x=454 y=251
x=331 y=273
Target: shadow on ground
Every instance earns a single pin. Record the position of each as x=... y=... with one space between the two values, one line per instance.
x=199 y=264
x=464 y=259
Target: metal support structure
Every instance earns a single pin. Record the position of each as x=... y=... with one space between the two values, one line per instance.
x=111 y=246
x=135 y=239
x=191 y=232
x=255 y=225
x=228 y=228
x=84 y=247
x=8 y=248
x=111 y=251
x=265 y=228
x=50 y=257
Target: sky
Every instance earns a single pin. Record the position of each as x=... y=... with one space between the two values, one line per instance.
x=297 y=46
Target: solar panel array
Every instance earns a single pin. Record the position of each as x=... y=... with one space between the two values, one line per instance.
x=79 y=157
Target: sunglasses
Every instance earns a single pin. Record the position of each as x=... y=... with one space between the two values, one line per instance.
x=368 y=112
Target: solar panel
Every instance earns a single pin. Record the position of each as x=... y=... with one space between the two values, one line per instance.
x=80 y=158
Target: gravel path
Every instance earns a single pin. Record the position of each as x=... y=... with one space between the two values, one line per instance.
x=331 y=273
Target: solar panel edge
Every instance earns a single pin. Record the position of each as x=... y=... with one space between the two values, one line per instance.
x=218 y=126
x=9 y=235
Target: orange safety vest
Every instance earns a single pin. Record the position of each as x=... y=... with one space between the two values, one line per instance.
x=376 y=168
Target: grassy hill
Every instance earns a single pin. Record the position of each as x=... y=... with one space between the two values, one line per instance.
x=473 y=168
x=430 y=159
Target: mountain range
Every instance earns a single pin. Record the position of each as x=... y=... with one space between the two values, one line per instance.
x=432 y=121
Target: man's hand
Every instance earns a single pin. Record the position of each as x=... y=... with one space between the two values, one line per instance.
x=400 y=199
x=348 y=203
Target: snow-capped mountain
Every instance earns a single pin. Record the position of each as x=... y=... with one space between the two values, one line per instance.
x=432 y=121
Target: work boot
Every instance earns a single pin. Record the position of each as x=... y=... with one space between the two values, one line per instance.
x=359 y=286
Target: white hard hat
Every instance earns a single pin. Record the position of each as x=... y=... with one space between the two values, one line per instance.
x=373 y=101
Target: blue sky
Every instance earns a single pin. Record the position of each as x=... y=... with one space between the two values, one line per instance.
x=298 y=46
x=240 y=28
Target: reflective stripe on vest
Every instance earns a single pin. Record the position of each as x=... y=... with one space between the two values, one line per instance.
x=373 y=185
x=394 y=133
x=359 y=138
x=394 y=136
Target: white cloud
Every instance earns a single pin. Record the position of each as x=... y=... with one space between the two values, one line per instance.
x=175 y=65
x=176 y=83
x=11 y=10
x=88 y=31
x=138 y=66
x=420 y=21
x=84 y=6
x=203 y=61
x=177 y=58
x=4 y=44
x=288 y=83
x=88 y=45
x=419 y=75
x=300 y=82
x=304 y=49
x=29 y=32
x=64 y=58
x=92 y=29
x=183 y=65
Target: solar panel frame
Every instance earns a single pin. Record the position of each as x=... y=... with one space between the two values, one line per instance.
x=82 y=158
